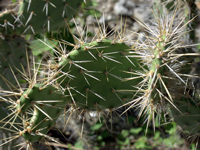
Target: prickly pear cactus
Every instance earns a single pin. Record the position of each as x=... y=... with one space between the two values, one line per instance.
x=39 y=16
x=93 y=75
x=47 y=104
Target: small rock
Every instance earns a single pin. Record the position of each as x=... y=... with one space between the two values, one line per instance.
x=142 y=13
x=124 y=7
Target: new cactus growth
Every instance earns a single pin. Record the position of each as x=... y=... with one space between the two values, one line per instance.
x=47 y=104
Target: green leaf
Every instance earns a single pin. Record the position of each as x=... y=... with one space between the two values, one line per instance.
x=79 y=144
x=127 y=141
x=94 y=13
x=123 y=134
x=141 y=143
x=124 y=143
x=99 y=138
x=22 y=81
x=171 y=128
x=96 y=126
x=192 y=146
x=69 y=146
x=135 y=131
x=157 y=135
x=168 y=142
x=66 y=35
x=38 y=47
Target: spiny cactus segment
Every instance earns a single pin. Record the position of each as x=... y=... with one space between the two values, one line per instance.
x=165 y=58
x=40 y=16
x=47 y=104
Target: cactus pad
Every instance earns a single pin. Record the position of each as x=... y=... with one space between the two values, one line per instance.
x=189 y=120
x=40 y=16
x=12 y=55
x=93 y=75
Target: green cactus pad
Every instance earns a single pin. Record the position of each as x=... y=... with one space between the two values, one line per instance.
x=93 y=75
x=47 y=104
x=4 y=109
x=189 y=120
x=12 y=55
x=39 y=16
